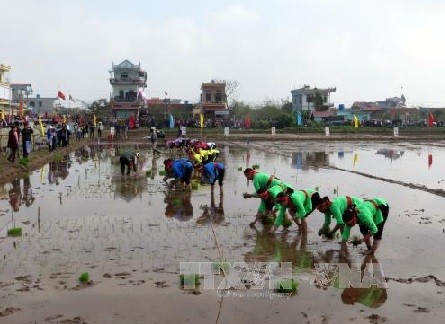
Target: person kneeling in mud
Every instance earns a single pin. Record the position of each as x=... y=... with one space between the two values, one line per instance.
x=371 y=216
x=181 y=170
x=272 y=207
x=129 y=160
x=334 y=209
x=300 y=203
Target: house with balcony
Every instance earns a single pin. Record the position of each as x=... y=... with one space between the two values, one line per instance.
x=214 y=99
x=5 y=88
x=303 y=99
x=128 y=82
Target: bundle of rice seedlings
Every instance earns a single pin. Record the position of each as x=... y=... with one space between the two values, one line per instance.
x=287 y=286
x=84 y=278
x=190 y=280
x=15 y=231
x=255 y=166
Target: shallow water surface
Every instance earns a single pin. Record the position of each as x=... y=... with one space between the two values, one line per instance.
x=80 y=214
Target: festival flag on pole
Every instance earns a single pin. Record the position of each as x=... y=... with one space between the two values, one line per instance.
x=354 y=162
x=355 y=121
x=94 y=120
x=430 y=160
x=201 y=120
x=431 y=119
x=61 y=95
x=42 y=133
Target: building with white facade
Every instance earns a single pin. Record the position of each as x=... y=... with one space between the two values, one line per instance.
x=128 y=82
x=303 y=98
x=5 y=88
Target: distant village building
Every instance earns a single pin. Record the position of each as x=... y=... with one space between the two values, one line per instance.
x=214 y=99
x=128 y=82
x=5 y=88
x=42 y=106
x=19 y=97
x=303 y=98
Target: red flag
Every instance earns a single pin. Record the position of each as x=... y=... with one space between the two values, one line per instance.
x=430 y=160
x=61 y=95
x=431 y=120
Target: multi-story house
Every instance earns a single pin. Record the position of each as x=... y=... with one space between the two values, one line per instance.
x=214 y=99
x=303 y=99
x=19 y=98
x=128 y=82
x=5 y=89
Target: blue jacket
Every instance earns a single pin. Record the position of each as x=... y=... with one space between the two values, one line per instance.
x=211 y=171
x=180 y=168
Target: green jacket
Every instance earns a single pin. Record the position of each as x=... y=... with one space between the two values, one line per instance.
x=337 y=209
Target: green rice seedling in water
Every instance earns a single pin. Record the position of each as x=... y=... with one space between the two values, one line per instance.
x=240 y=169
x=355 y=240
x=162 y=173
x=267 y=220
x=195 y=184
x=84 y=278
x=287 y=223
x=255 y=166
x=15 y=231
x=287 y=286
x=148 y=173
x=189 y=280
x=222 y=266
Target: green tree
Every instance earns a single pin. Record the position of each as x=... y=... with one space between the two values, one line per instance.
x=319 y=102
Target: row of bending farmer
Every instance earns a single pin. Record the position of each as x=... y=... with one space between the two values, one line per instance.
x=181 y=170
x=281 y=203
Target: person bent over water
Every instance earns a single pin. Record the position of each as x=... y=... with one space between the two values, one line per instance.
x=334 y=209
x=212 y=172
x=128 y=160
x=262 y=180
x=181 y=170
x=300 y=203
x=371 y=216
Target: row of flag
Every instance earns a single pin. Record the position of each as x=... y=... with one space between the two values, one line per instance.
x=62 y=96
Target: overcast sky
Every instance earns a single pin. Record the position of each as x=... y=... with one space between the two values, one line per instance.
x=368 y=49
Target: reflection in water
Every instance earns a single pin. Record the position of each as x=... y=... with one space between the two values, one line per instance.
x=129 y=188
x=59 y=170
x=390 y=153
x=373 y=296
x=27 y=198
x=213 y=214
x=278 y=248
x=307 y=160
x=15 y=195
x=179 y=205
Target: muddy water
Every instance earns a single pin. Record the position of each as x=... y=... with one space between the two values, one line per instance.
x=130 y=234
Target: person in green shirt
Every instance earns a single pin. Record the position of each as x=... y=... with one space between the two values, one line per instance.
x=300 y=203
x=271 y=207
x=371 y=216
x=335 y=209
x=262 y=180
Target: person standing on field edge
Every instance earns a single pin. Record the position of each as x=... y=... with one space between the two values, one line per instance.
x=27 y=132
x=13 y=142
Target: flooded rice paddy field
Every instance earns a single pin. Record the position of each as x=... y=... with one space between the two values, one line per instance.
x=131 y=233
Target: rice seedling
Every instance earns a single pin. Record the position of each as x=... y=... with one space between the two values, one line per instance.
x=15 y=231
x=287 y=286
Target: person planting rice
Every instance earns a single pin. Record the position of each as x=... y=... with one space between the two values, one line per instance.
x=371 y=216
x=262 y=180
x=300 y=204
x=213 y=171
x=334 y=209
x=181 y=170
x=129 y=160
x=271 y=206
